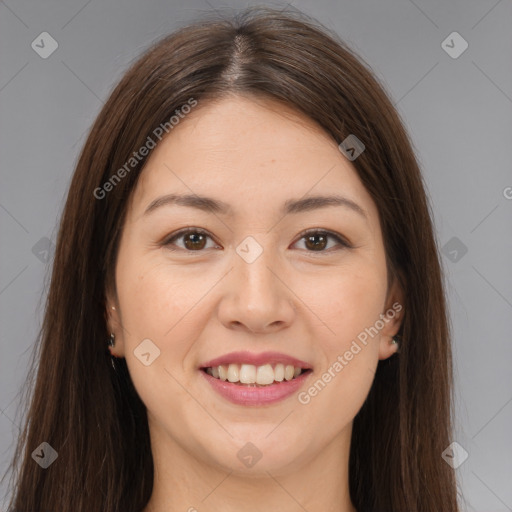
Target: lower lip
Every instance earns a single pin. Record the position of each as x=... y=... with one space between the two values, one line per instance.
x=245 y=395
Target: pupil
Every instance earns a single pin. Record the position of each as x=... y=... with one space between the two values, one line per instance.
x=316 y=246
x=195 y=238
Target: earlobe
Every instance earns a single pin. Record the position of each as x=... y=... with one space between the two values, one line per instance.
x=389 y=346
x=396 y=340
x=112 y=319
x=114 y=331
x=390 y=341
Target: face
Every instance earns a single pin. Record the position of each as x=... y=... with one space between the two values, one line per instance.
x=266 y=279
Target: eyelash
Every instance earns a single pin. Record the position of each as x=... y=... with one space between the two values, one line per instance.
x=344 y=244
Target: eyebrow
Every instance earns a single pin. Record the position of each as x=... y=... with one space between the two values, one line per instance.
x=216 y=206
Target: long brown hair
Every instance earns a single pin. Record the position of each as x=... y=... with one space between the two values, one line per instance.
x=92 y=416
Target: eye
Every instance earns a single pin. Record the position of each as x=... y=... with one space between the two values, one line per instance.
x=194 y=239
x=316 y=240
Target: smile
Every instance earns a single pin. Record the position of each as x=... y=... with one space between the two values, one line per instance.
x=254 y=379
x=253 y=376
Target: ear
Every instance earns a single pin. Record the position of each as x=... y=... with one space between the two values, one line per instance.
x=392 y=317
x=114 y=324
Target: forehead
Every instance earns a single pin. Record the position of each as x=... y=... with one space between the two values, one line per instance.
x=247 y=152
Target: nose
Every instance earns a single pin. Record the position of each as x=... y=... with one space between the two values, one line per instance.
x=256 y=298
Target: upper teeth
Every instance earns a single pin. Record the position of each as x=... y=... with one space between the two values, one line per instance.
x=250 y=374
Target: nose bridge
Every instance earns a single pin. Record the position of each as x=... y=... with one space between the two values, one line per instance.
x=253 y=264
x=257 y=298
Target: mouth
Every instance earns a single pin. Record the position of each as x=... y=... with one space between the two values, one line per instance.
x=255 y=379
x=250 y=375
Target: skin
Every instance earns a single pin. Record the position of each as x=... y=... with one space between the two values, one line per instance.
x=197 y=304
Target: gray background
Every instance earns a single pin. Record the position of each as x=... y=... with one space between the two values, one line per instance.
x=458 y=113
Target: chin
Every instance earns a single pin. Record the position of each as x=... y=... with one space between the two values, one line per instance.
x=258 y=454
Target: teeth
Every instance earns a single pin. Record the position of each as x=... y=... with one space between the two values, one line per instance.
x=223 y=372
x=265 y=374
x=249 y=374
x=279 y=372
x=233 y=373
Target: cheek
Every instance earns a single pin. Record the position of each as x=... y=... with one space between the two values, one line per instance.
x=155 y=298
x=349 y=305
x=157 y=305
x=348 y=301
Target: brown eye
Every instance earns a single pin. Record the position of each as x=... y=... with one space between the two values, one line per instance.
x=317 y=241
x=193 y=239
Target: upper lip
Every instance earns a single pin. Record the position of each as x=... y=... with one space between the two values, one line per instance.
x=255 y=359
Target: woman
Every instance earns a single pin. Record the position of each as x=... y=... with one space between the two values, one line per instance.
x=248 y=234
